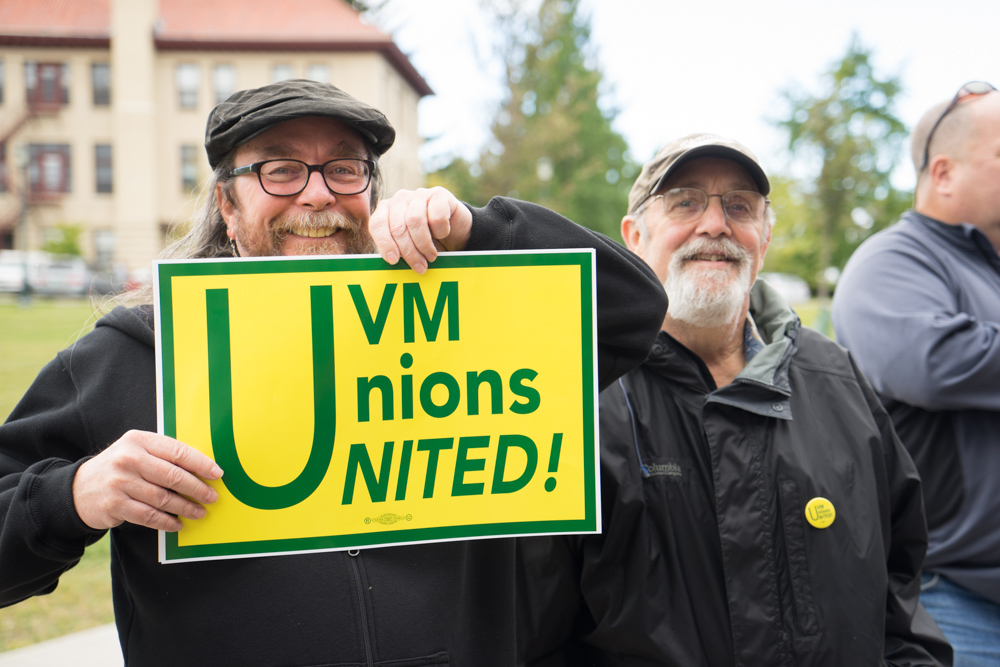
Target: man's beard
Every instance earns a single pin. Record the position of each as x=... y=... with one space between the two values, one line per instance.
x=352 y=238
x=707 y=298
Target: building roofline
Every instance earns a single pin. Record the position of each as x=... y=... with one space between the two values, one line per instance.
x=387 y=48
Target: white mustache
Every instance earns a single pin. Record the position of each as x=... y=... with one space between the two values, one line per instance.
x=724 y=247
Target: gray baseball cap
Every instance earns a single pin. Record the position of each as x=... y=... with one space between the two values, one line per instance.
x=679 y=151
x=248 y=113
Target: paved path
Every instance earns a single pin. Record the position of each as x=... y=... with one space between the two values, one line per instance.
x=96 y=647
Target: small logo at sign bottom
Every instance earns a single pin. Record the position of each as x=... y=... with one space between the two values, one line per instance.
x=388 y=519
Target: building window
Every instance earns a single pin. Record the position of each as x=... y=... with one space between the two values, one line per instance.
x=189 y=168
x=102 y=167
x=188 y=81
x=48 y=169
x=320 y=73
x=282 y=73
x=100 y=82
x=224 y=82
x=46 y=84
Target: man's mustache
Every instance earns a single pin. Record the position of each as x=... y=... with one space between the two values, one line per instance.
x=315 y=220
x=725 y=247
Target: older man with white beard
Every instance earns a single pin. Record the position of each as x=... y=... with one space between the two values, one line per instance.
x=758 y=508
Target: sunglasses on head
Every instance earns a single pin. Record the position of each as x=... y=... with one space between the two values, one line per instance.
x=971 y=89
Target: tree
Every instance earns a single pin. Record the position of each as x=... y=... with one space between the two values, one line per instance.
x=552 y=142
x=794 y=242
x=63 y=239
x=850 y=139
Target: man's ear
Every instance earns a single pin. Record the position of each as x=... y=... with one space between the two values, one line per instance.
x=940 y=170
x=227 y=209
x=632 y=234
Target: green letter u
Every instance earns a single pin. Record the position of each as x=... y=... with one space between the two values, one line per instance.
x=220 y=397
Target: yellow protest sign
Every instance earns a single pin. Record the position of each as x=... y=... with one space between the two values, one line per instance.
x=352 y=403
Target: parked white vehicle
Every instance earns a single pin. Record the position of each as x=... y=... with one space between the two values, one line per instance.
x=47 y=273
x=13 y=265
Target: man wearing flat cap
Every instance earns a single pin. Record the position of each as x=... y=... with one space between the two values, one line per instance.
x=295 y=172
x=757 y=506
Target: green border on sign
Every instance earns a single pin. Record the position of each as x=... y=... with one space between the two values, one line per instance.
x=583 y=259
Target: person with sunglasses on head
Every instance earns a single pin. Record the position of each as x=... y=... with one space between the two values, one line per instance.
x=295 y=173
x=757 y=507
x=919 y=306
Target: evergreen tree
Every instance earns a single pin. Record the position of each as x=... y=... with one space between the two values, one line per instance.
x=850 y=139
x=552 y=142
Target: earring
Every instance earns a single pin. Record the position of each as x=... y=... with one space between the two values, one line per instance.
x=232 y=245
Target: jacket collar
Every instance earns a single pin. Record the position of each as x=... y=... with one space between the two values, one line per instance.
x=778 y=326
x=762 y=387
x=964 y=236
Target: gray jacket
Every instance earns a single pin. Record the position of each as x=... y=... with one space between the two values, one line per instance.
x=919 y=307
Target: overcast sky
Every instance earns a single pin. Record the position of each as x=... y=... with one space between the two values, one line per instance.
x=672 y=67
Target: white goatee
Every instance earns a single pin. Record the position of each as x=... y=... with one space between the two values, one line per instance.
x=707 y=298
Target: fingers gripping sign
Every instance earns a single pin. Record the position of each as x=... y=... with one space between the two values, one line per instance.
x=146 y=479
x=415 y=224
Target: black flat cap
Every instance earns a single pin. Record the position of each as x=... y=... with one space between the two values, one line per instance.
x=248 y=113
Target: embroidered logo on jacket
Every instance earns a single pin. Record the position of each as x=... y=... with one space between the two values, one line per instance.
x=669 y=469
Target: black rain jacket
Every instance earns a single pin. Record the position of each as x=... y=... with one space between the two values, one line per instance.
x=707 y=558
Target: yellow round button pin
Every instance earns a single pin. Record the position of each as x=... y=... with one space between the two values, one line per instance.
x=820 y=512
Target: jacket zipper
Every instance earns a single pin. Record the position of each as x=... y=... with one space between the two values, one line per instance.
x=354 y=555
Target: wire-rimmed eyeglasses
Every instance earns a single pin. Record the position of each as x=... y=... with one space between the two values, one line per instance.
x=971 y=89
x=688 y=204
x=285 y=178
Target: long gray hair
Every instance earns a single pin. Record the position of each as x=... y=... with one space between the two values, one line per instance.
x=206 y=237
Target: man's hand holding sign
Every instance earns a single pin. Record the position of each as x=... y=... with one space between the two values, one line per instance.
x=146 y=479
x=415 y=225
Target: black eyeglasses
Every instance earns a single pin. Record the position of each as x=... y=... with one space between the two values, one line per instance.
x=971 y=89
x=286 y=178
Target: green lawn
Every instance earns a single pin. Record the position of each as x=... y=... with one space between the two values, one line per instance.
x=31 y=335
x=29 y=338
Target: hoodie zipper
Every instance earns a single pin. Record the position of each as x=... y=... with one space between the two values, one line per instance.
x=355 y=554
